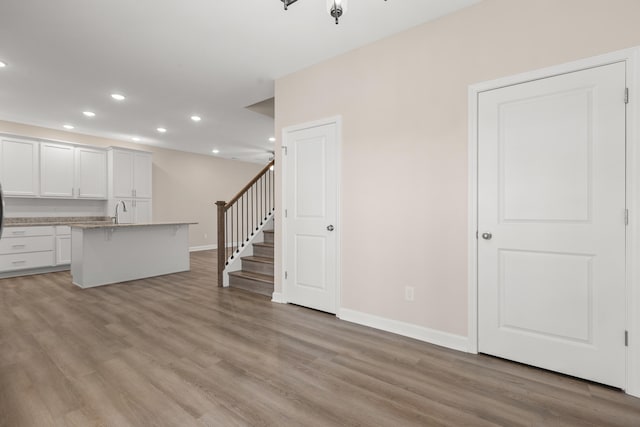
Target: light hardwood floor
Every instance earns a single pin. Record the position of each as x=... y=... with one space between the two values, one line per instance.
x=178 y=351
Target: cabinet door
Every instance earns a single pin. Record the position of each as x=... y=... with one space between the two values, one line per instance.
x=57 y=170
x=142 y=166
x=63 y=250
x=19 y=167
x=142 y=211
x=122 y=169
x=91 y=173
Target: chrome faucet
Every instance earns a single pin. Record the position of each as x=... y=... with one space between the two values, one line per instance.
x=124 y=209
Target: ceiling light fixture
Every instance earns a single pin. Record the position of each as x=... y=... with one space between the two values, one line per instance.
x=215 y=151
x=161 y=130
x=336 y=8
x=118 y=97
x=3 y=64
x=272 y=139
x=196 y=118
x=135 y=138
x=89 y=113
x=68 y=127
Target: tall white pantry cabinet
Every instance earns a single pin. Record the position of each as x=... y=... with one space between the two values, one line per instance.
x=130 y=181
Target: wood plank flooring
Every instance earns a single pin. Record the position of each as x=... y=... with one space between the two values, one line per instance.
x=178 y=351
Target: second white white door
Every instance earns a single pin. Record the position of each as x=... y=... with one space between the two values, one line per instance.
x=551 y=219
x=311 y=194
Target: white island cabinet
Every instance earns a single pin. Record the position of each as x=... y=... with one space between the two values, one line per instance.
x=106 y=254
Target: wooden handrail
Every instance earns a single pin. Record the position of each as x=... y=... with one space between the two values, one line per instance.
x=249 y=185
x=243 y=215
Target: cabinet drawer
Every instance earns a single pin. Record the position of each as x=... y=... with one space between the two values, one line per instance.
x=27 y=231
x=25 y=261
x=26 y=244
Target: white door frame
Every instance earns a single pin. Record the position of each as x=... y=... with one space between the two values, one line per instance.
x=632 y=58
x=337 y=120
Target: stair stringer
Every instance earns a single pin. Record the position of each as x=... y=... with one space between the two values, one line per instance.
x=235 y=264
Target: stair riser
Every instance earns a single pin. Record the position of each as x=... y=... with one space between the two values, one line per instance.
x=263 y=251
x=257 y=267
x=251 y=285
x=268 y=237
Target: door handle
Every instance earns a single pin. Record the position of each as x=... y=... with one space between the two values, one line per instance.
x=487 y=236
x=330 y=227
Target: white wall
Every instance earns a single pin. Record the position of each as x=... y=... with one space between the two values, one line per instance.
x=404 y=159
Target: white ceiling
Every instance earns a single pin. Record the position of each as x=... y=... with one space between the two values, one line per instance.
x=176 y=58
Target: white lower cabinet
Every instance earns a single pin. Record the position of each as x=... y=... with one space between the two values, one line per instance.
x=23 y=248
x=32 y=248
x=63 y=245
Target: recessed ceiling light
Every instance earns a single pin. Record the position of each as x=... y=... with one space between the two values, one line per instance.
x=161 y=130
x=68 y=127
x=3 y=64
x=272 y=139
x=196 y=118
x=89 y=113
x=215 y=151
x=135 y=138
x=117 y=97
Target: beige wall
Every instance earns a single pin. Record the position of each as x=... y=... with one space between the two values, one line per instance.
x=404 y=156
x=185 y=185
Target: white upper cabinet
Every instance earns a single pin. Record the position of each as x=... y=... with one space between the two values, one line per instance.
x=130 y=174
x=19 y=169
x=121 y=173
x=91 y=173
x=72 y=172
x=57 y=170
x=142 y=165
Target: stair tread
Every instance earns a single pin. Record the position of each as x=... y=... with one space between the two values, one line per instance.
x=268 y=231
x=265 y=244
x=253 y=276
x=262 y=259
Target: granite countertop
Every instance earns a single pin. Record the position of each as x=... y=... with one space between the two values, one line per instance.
x=88 y=226
x=51 y=221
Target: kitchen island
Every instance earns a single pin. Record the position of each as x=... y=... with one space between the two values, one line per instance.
x=102 y=254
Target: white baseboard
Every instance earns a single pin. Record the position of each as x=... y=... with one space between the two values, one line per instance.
x=278 y=297
x=203 y=248
x=443 y=339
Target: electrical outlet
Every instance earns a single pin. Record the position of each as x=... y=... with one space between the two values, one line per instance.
x=408 y=293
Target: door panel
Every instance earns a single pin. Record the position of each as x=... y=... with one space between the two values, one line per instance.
x=312 y=200
x=551 y=192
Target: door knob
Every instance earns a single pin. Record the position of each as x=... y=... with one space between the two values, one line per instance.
x=330 y=227
x=487 y=236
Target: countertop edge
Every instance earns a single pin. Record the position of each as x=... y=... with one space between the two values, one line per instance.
x=150 y=224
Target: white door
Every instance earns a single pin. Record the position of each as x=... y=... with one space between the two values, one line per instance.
x=551 y=194
x=19 y=167
x=91 y=173
x=311 y=195
x=142 y=211
x=57 y=170
x=142 y=164
x=122 y=169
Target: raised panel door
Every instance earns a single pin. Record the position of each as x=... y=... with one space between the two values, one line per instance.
x=551 y=206
x=19 y=167
x=56 y=170
x=91 y=173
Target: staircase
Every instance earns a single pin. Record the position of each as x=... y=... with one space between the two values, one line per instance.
x=246 y=262
x=256 y=274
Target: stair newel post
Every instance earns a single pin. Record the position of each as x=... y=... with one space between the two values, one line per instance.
x=222 y=252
